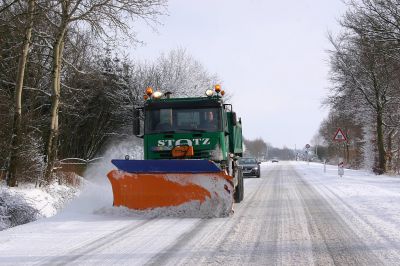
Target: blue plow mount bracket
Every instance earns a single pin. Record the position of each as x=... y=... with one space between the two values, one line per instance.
x=166 y=166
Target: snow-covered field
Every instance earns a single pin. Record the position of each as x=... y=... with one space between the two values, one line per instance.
x=363 y=199
x=272 y=223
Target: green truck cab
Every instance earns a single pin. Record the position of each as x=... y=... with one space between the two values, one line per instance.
x=206 y=124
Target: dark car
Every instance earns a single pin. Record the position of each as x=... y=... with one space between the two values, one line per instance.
x=275 y=160
x=250 y=166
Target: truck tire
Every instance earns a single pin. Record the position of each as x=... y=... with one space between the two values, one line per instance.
x=242 y=187
x=239 y=190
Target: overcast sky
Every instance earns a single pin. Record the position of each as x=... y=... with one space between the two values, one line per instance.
x=271 y=55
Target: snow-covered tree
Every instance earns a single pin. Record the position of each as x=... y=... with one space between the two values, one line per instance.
x=364 y=71
x=100 y=16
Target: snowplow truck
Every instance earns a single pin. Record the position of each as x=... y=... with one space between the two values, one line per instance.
x=191 y=146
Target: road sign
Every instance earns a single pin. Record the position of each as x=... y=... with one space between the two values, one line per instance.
x=308 y=146
x=339 y=136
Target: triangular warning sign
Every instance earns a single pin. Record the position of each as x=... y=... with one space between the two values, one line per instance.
x=339 y=136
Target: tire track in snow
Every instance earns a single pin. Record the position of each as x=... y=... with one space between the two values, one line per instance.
x=210 y=236
x=269 y=226
x=282 y=236
x=284 y=222
x=84 y=249
x=286 y=241
x=181 y=241
x=333 y=241
x=235 y=245
x=383 y=244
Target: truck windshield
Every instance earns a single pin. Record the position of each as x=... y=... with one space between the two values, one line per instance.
x=247 y=161
x=183 y=120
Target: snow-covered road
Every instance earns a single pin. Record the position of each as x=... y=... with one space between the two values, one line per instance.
x=295 y=214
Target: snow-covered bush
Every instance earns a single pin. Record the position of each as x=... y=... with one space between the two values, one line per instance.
x=31 y=164
x=15 y=210
x=4 y=217
x=27 y=203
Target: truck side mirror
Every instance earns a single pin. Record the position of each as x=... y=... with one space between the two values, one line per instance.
x=234 y=119
x=136 y=122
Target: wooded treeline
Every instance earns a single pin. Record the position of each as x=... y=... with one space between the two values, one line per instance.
x=256 y=148
x=364 y=100
x=264 y=151
x=65 y=87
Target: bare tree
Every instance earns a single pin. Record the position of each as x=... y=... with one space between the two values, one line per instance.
x=100 y=16
x=6 y=5
x=181 y=74
x=365 y=69
x=378 y=20
x=16 y=135
x=257 y=147
x=361 y=71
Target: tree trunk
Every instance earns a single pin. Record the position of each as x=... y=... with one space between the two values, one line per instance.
x=16 y=135
x=389 y=163
x=380 y=142
x=52 y=143
x=398 y=156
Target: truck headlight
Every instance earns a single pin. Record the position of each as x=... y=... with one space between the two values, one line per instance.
x=209 y=93
x=157 y=95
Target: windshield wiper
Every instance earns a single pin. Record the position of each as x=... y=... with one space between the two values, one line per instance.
x=192 y=129
x=167 y=131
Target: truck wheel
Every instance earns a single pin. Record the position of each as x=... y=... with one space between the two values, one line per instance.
x=239 y=190
x=241 y=187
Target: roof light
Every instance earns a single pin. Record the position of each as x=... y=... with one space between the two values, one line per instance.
x=209 y=93
x=168 y=94
x=217 y=88
x=149 y=91
x=157 y=94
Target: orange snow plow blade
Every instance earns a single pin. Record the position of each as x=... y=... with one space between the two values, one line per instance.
x=144 y=191
x=151 y=184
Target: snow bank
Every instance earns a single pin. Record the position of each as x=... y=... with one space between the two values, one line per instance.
x=24 y=204
x=96 y=190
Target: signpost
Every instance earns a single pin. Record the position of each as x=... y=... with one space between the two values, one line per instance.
x=341 y=169
x=307 y=150
x=340 y=137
